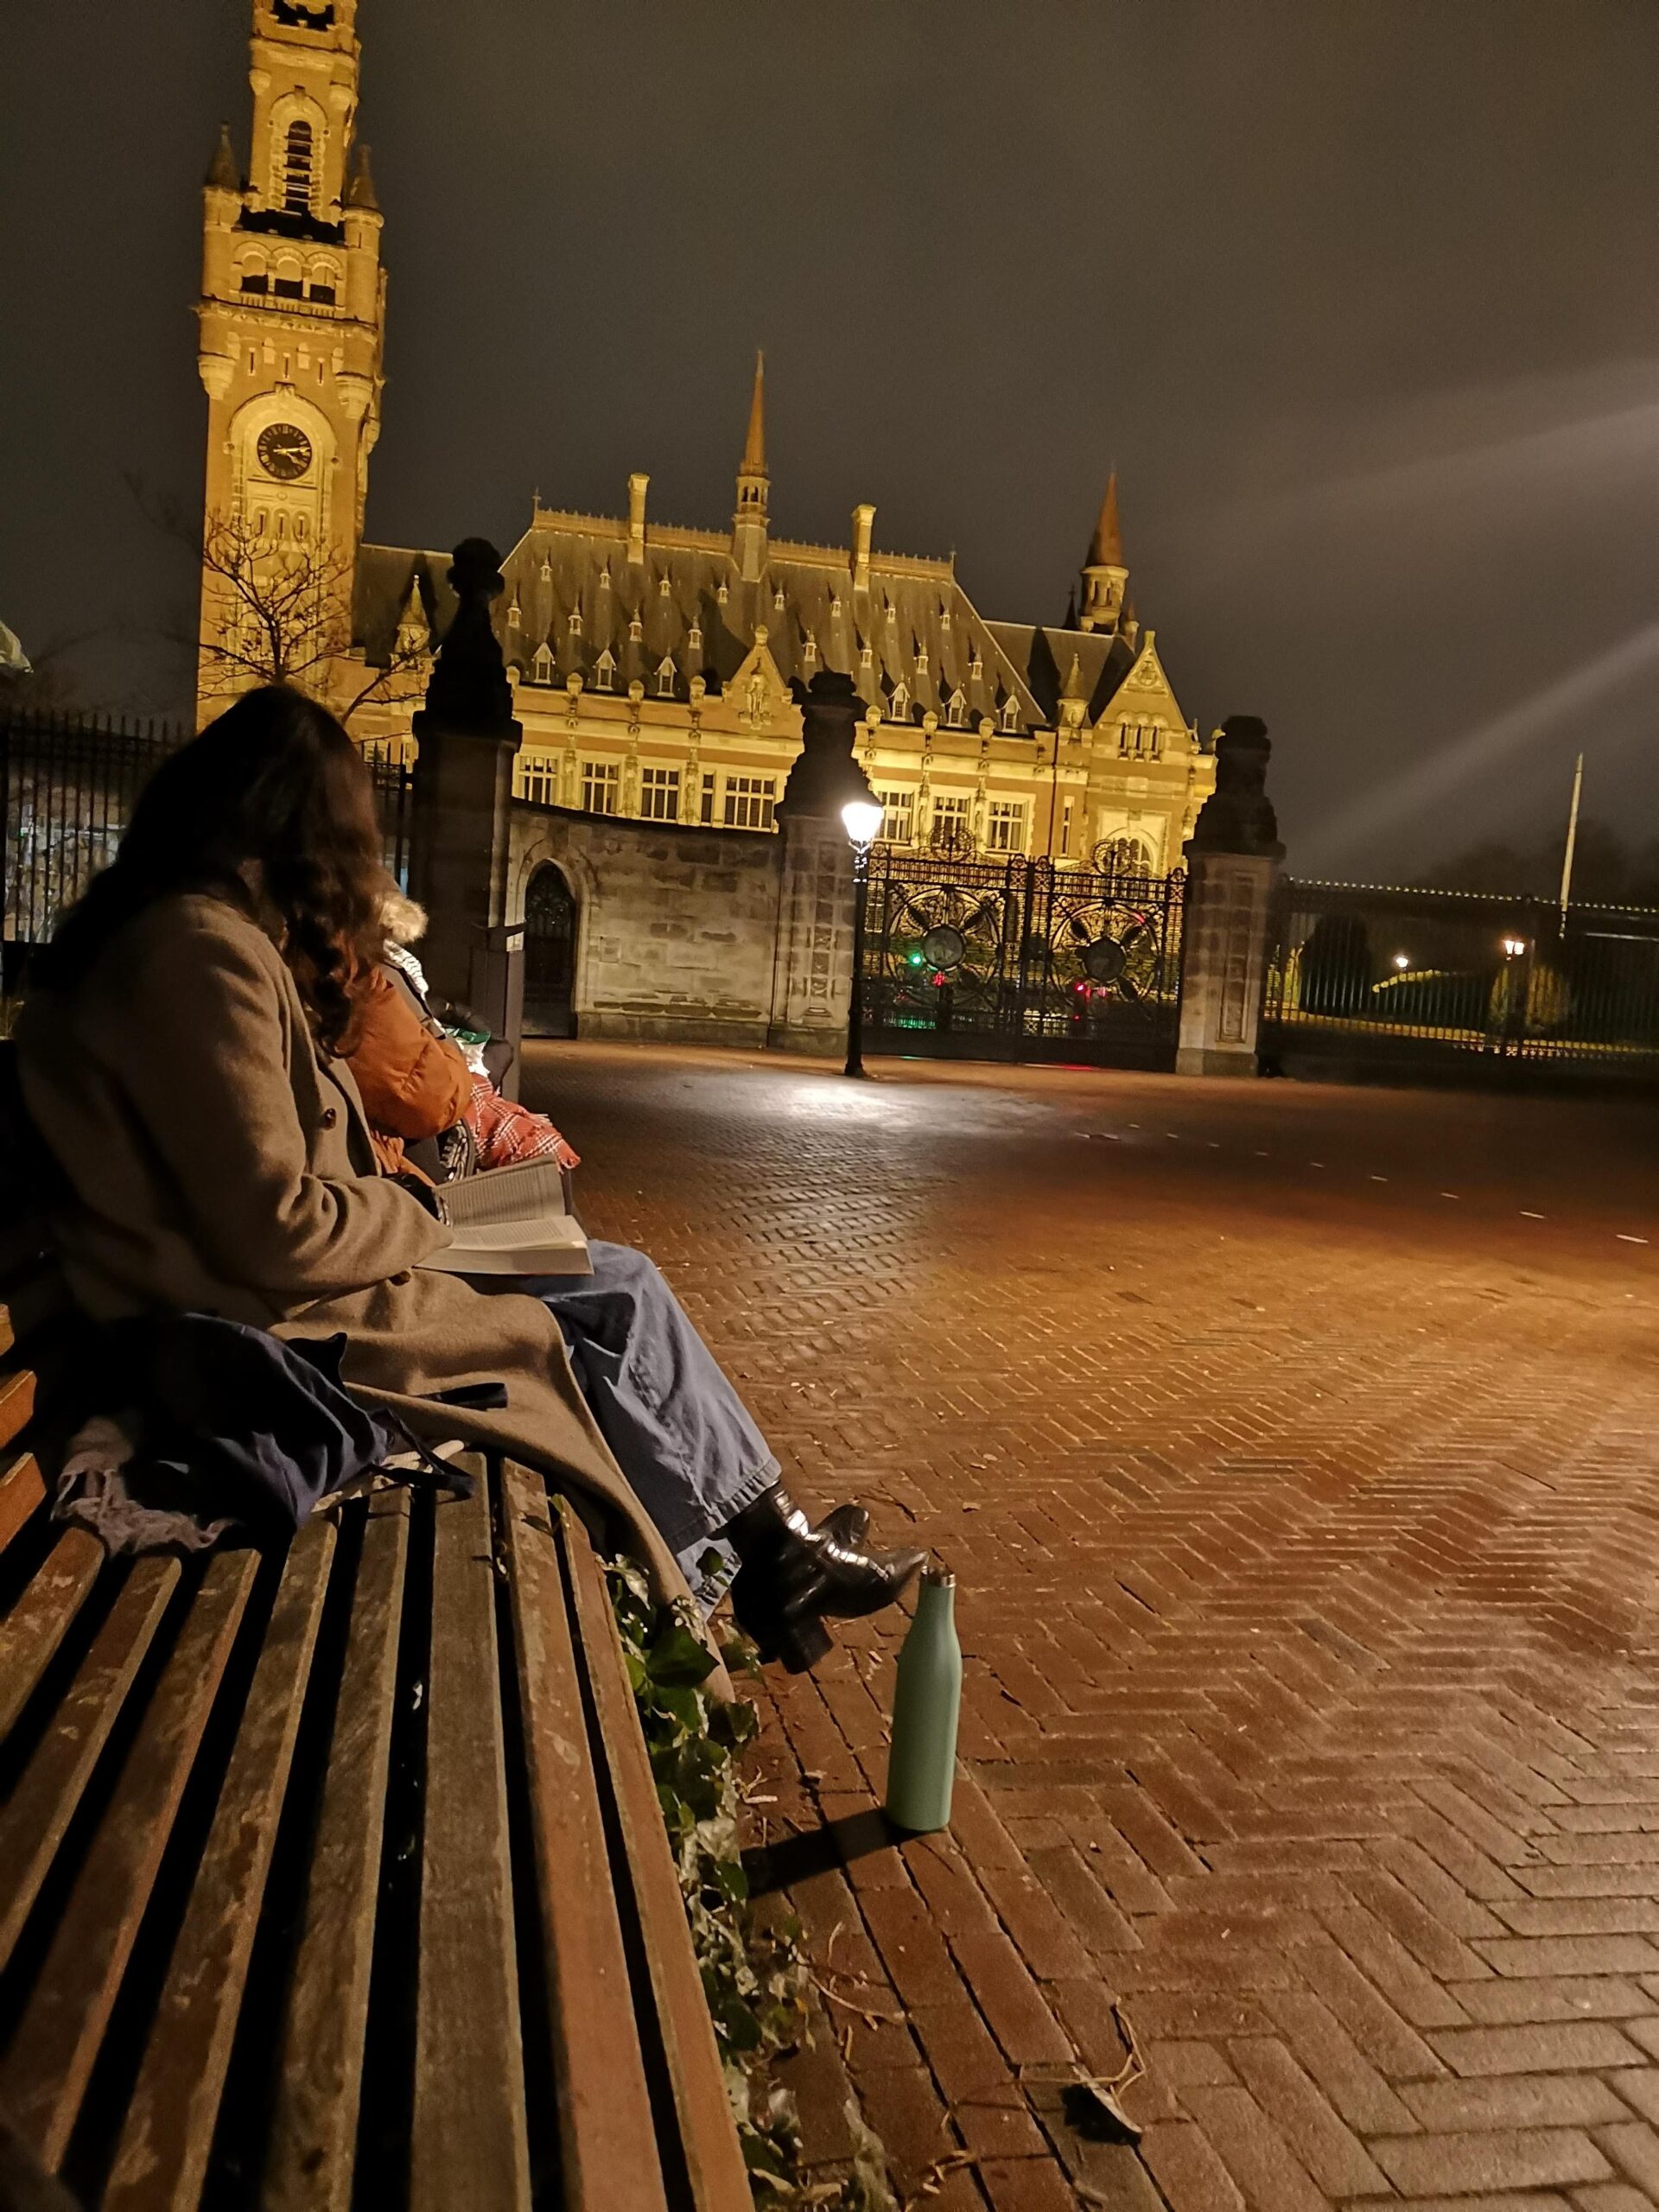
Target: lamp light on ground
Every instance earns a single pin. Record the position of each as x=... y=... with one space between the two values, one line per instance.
x=862 y=819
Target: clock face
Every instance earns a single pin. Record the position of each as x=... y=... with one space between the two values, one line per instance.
x=283 y=450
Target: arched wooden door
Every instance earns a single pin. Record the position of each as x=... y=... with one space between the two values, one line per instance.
x=550 y=955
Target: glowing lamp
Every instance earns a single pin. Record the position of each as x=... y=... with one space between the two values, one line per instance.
x=861 y=819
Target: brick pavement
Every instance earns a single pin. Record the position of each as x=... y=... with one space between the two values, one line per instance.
x=1300 y=1486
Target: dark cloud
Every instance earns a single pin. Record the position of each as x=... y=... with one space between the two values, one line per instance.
x=1360 y=297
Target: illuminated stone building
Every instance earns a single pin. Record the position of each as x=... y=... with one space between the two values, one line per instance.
x=653 y=665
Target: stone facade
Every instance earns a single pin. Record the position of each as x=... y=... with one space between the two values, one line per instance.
x=655 y=668
x=677 y=930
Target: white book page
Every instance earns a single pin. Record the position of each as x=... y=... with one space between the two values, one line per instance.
x=528 y=1193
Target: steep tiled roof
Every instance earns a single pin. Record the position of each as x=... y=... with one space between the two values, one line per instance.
x=914 y=632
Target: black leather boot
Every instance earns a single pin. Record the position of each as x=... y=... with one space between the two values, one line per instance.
x=791 y=1576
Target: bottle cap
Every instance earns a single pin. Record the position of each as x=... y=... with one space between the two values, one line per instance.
x=938 y=1576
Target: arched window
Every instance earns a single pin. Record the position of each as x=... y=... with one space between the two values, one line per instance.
x=299 y=152
x=1124 y=855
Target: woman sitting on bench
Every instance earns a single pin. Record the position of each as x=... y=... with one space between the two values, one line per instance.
x=180 y=1052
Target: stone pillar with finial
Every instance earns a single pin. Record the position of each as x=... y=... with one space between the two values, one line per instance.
x=812 y=978
x=1233 y=863
x=460 y=814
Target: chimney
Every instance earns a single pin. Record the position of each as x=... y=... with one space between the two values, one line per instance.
x=636 y=484
x=863 y=524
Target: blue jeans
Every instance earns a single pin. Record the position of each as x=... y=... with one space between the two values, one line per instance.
x=675 y=1426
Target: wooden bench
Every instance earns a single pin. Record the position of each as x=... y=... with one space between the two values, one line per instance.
x=336 y=1879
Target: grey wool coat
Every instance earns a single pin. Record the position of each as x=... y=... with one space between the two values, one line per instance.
x=219 y=1166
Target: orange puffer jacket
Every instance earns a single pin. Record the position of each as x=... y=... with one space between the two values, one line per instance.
x=414 y=1083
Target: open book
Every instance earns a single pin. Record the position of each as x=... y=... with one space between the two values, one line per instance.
x=513 y=1221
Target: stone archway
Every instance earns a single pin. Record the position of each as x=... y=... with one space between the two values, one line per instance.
x=550 y=954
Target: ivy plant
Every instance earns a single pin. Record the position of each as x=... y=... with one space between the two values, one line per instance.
x=756 y=1976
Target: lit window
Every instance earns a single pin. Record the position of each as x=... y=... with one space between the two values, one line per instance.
x=1005 y=825
x=749 y=802
x=659 y=794
x=297 y=151
x=949 y=832
x=599 y=782
x=898 y=809
x=537 y=780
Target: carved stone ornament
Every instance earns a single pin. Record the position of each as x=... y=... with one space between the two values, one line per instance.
x=1238 y=816
x=468 y=690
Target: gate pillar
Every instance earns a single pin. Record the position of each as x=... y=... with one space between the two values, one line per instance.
x=1233 y=864
x=812 y=973
x=462 y=810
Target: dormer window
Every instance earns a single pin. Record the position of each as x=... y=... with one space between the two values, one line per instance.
x=298 y=154
x=543 y=665
x=834 y=608
x=976 y=669
x=898 y=705
x=866 y=653
x=636 y=629
x=665 y=678
x=777 y=599
x=694 y=638
x=547 y=570
x=954 y=717
x=1011 y=713
x=605 y=671
x=809 y=649
x=921 y=660
x=605 y=577
x=663 y=586
x=575 y=624
x=514 y=617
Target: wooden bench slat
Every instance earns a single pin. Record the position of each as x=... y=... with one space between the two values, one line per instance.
x=45 y=2072
x=606 y=2129
x=714 y=2156
x=16 y=1401
x=469 y=2143
x=162 y=2154
x=37 y=1624
x=314 y=2129
x=32 y=1825
x=22 y=1488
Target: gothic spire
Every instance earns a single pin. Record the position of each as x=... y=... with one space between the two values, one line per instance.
x=754 y=446
x=1106 y=548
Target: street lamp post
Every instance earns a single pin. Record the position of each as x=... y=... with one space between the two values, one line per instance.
x=861 y=819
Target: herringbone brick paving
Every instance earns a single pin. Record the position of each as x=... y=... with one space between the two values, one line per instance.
x=1300 y=1486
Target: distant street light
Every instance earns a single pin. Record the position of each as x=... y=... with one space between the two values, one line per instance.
x=861 y=819
x=1403 y=961
x=1513 y=947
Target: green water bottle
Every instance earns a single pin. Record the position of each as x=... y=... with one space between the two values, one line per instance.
x=922 y=1759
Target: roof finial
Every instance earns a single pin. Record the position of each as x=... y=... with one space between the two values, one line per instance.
x=223 y=174
x=754 y=446
x=1106 y=548
x=359 y=192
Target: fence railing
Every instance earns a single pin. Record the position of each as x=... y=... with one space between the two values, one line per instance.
x=1361 y=971
x=68 y=782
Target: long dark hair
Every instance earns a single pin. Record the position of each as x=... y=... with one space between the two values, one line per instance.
x=274 y=780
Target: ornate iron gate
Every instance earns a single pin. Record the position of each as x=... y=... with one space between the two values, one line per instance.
x=1020 y=960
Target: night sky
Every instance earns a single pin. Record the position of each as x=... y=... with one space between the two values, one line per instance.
x=1360 y=296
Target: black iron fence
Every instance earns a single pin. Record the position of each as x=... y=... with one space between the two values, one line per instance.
x=1019 y=959
x=1363 y=973
x=67 y=785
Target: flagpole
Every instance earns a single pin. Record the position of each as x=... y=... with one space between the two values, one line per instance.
x=1572 y=839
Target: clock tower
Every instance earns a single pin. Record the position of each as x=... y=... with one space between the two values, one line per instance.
x=292 y=318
